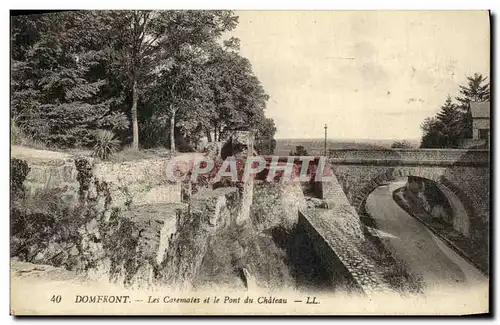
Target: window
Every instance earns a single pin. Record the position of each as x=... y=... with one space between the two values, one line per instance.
x=484 y=134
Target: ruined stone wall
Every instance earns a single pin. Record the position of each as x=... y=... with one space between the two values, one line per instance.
x=130 y=183
x=426 y=195
x=139 y=182
x=336 y=234
x=276 y=205
x=338 y=240
x=128 y=239
x=52 y=174
x=208 y=212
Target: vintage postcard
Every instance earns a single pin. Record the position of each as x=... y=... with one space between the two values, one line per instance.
x=220 y=162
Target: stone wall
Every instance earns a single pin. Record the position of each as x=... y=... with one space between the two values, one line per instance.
x=438 y=201
x=208 y=212
x=134 y=183
x=52 y=174
x=337 y=273
x=139 y=182
x=464 y=172
x=157 y=242
x=276 y=204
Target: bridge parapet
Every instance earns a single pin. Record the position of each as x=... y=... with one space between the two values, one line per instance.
x=410 y=157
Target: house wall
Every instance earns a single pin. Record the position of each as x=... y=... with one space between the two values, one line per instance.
x=479 y=124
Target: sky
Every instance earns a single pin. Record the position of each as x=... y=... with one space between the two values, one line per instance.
x=366 y=74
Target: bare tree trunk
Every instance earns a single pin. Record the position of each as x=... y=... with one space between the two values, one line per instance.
x=135 y=124
x=209 y=135
x=221 y=133
x=172 y=130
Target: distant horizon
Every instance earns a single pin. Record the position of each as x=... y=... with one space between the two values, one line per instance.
x=351 y=139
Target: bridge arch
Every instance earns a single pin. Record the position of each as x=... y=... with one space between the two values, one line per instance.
x=457 y=198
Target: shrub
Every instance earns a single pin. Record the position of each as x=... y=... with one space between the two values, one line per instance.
x=154 y=132
x=131 y=154
x=265 y=146
x=18 y=171
x=44 y=227
x=19 y=137
x=401 y=145
x=106 y=145
x=299 y=151
x=84 y=176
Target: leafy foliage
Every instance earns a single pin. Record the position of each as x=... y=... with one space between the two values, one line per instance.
x=474 y=91
x=265 y=146
x=208 y=91
x=264 y=139
x=299 y=151
x=166 y=72
x=19 y=169
x=446 y=129
x=106 y=145
x=401 y=145
x=56 y=84
x=237 y=98
x=454 y=121
x=145 y=42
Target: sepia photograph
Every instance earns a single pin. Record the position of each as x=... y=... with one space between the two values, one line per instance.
x=250 y=162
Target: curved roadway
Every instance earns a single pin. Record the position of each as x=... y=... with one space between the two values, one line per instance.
x=411 y=242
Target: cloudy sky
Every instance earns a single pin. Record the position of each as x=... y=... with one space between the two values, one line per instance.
x=368 y=75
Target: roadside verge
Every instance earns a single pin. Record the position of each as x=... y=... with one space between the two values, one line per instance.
x=462 y=245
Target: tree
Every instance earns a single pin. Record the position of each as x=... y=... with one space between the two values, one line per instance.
x=476 y=90
x=299 y=151
x=143 y=41
x=401 y=145
x=179 y=92
x=432 y=137
x=264 y=137
x=454 y=121
x=167 y=70
x=236 y=96
x=211 y=89
x=56 y=93
x=446 y=129
x=451 y=121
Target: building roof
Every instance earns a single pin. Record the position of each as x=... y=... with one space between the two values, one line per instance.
x=480 y=109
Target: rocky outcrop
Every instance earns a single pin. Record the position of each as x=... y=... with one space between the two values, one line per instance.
x=53 y=174
x=276 y=204
x=208 y=212
x=149 y=229
x=426 y=195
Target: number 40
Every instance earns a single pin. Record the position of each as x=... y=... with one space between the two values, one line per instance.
x=56 y=298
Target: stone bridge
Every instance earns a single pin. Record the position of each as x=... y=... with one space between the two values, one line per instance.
x=463 y=173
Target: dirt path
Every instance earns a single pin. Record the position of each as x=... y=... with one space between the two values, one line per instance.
x=26 y=153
